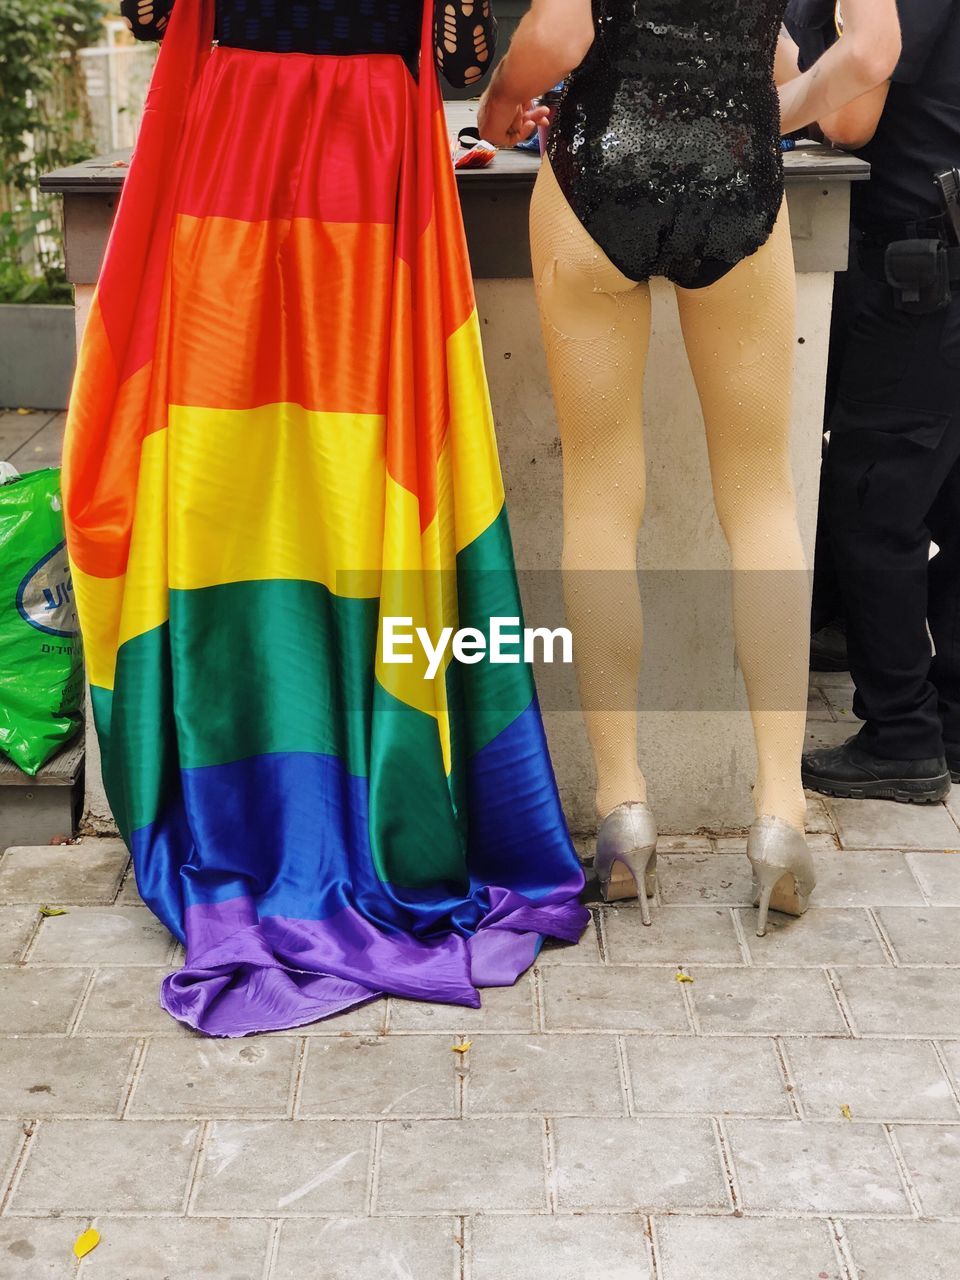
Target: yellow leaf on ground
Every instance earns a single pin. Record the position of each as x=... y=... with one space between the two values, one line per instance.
x=23 y=412
x=846 y=1112
x=684 y=977
x=53 y=911
x=86 y=1243
x=462 y=1048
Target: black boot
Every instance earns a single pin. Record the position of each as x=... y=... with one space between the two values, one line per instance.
x=850 y=771
x=828 y=649
x=953 y=763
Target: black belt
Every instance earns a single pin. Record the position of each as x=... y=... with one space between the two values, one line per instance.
x=884 y=233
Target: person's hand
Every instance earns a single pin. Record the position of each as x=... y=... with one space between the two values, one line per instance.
x=506 y=123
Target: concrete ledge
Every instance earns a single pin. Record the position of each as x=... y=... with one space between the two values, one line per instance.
x=37 y=355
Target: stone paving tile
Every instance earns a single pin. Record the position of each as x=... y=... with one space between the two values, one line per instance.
x=694 y=1076
x=731 y=844
x=922 y=1249
x=744 y=1249
x=101 y=936
x=126 y=1000
x=939 y=876
x=923 y=935
x=650 y=1163
x=883 y=824
x=906 y=1002
x=41 y=1076
x=817 y=706
x=129 y=895
x=705 y=878
x=827 y=733
x=461 y=1166
x=952 y=803
x=63 y=874
x=33 y=1001
x=39 y=1248
x=615 y=998
x=684 y=844
x=17 y=925
x=544 y=1075
x=678 y=935
x=370 y=1249
x=11 y=1136
x=818 y=820
x=365 y=1019
x=780 y=1001
x=504 y=1009
x=395 y=1076
x=101 y=1166
x=932 y=1156
x=824 y=936
x=284 y=1167
x=839 y=698
x=876 y=1079
x=951 y=1054
x=827 y=843
x=178 y=1249
x=861 y=879
x=789 y=1166
x=203 y=1077
x=586 y=951
x=577 y=1247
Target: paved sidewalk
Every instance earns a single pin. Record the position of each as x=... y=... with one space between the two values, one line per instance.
x=31 y=438
x=792 y=1113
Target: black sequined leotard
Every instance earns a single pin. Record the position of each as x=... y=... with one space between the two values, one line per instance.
x=667 y=138
x=465 y=30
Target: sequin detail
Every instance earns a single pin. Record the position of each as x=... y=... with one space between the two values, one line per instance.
x=666 y=142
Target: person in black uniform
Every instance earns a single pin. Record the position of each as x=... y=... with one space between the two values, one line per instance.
x=892 y=469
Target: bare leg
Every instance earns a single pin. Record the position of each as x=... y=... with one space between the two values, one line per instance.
x=740 y=335
x=596 y=326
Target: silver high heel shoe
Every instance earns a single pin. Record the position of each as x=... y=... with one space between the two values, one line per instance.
x=783 y=874
x=628 y=835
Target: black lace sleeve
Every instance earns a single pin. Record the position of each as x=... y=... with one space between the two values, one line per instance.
x=466 y=37
x=147 y=19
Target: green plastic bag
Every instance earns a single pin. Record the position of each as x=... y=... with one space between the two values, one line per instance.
x=41 y=659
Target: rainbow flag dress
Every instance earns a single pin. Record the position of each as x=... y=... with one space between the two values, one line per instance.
x=280 y=435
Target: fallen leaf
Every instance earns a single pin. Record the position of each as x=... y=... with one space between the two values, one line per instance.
x=53 y=911
x=684 y=977
x=462 y=1048
x=86 y=1242
x=24 y=412
x=846 y=1112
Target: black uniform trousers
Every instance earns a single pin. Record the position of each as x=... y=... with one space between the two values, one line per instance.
x=891 y=485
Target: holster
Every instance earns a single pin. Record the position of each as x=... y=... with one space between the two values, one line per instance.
x=919 y=273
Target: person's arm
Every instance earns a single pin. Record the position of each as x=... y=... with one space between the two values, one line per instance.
x=147 y=19
x=854 y=125
x=922 y=26
x=553 y=37
x=855 y=70
x=465 y=39
x=787 y=64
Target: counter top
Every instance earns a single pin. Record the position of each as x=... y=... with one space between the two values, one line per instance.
x=810 y=162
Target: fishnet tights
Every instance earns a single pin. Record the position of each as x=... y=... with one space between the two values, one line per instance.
x=739 y=335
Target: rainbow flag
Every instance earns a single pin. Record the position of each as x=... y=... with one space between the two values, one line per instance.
x=280 y=435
